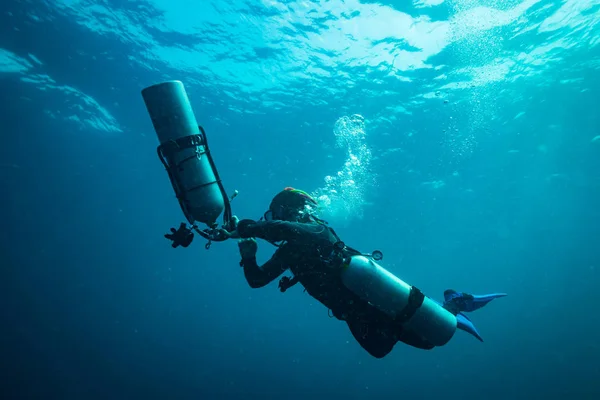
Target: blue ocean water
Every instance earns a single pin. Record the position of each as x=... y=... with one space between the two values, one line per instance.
x=460 y=137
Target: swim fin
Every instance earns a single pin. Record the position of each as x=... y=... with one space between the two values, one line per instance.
x=457 y=302
x=465 y=324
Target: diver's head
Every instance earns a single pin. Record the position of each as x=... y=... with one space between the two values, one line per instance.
x=291 y=205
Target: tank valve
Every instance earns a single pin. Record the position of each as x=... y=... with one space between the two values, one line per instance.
x=377 y=255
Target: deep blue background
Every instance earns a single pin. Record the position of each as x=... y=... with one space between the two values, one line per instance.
x=95 y=303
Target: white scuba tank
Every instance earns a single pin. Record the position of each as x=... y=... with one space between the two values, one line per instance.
x=184 y=151
x=376 y=285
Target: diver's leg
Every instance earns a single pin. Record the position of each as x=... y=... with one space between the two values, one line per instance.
x=375 y=341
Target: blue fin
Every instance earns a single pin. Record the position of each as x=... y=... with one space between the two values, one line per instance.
x=465 y=324
x=465 y=302
x=457 y=303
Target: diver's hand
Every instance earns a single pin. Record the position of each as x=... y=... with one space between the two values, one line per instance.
x=229 y=231
x=233 y=233
x=248 y=248
x=234 y=223
x=181 y=237
x=225 y=234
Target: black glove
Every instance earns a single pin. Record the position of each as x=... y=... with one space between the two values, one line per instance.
x=180 y=237
x=286 y=282
x=248 y=248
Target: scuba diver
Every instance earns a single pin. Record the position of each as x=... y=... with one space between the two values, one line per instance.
x=379 y=308
x=316 y=256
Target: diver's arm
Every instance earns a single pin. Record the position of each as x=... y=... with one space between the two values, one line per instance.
x=273 y=231
x=258 y=276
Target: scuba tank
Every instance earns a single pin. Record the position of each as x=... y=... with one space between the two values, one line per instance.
x=185 y=154
x=406 y=304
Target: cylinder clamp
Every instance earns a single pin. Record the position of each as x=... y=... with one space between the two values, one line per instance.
x=415 y=301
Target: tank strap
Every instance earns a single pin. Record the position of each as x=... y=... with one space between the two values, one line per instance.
x=185 y=142
x=415 y=301
x=227 y=213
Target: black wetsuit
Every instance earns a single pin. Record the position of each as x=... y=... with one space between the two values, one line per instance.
x=306 y=250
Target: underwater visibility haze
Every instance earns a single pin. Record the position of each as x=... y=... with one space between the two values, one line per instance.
x=459 y=137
